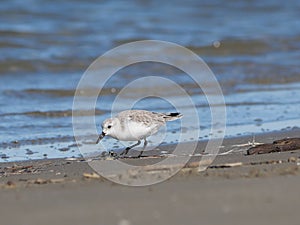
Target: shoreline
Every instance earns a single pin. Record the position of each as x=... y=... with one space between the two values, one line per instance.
x=236 y=188
x=233 y=150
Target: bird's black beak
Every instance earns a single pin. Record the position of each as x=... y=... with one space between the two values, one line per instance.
x=101 y=136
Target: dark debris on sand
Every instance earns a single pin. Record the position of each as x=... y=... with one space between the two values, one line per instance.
x=286 y=144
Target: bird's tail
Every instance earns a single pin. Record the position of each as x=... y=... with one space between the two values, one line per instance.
x=172 y=116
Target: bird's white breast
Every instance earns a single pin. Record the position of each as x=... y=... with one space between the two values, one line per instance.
x=134 y=131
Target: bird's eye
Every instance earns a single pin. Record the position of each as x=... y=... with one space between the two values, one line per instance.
x=109 y=126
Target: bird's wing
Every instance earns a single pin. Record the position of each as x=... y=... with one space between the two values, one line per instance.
x=144 y=117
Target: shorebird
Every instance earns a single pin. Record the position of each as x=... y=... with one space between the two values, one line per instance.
x=135 y=125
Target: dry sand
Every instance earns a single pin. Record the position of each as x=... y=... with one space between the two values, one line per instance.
x=235 y=189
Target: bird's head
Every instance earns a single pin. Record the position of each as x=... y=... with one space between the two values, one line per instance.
x=108 y=127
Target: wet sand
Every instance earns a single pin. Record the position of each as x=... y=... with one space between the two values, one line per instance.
x=235 y=189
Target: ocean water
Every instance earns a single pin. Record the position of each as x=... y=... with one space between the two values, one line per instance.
x=253 y=48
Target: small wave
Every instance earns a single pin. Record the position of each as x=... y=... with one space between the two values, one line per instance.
x=49 y=92
x=232 y=47
x=64 y=64
x=267 y=88
x=53 y=92
x=63 y=113
x=88 y=92
x=37 y=141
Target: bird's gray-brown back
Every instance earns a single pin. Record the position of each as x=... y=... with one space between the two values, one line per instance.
x=146 y=117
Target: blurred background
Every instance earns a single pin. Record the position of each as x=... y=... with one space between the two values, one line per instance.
x=253 y=47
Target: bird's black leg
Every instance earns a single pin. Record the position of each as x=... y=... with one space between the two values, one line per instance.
x=130 y=147
x=145 y=144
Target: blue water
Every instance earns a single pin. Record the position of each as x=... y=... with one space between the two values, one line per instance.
x=253 y=48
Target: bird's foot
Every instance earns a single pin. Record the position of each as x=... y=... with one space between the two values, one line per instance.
x=113 y=154
x=125 y=151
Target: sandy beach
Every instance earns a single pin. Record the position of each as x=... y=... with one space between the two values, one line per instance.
x=229 y=67
x=235 y=189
